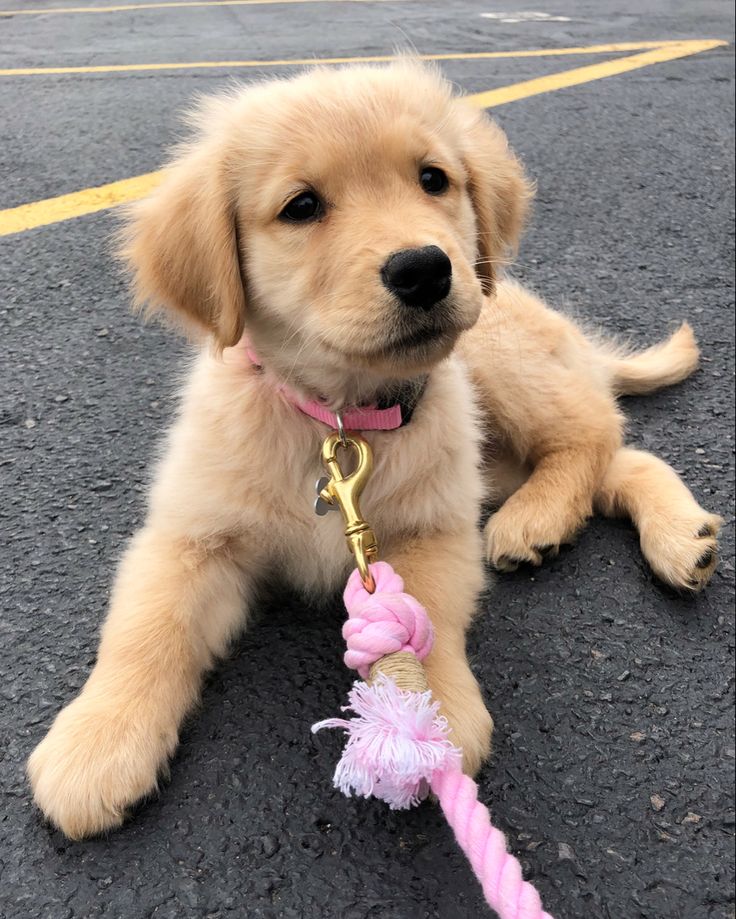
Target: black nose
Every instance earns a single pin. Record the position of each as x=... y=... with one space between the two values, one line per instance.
x=418 y=277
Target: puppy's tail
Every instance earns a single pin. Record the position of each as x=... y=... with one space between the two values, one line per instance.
x=669 y=362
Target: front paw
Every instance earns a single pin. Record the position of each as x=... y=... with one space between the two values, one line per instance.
x=515 y=535
x=95 y=762
x=470 y=722
x=471 y=731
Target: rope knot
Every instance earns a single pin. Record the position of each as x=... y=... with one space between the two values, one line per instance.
x=384 y=622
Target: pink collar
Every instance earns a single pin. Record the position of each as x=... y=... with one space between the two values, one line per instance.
x=360 y=418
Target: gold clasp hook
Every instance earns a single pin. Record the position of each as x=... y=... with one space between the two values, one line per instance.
x=345 y=491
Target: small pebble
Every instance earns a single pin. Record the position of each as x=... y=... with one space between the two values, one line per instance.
x=692 y=818
x=658 y=802
x=638 y=736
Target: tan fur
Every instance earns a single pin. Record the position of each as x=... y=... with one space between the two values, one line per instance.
x=525 y=393
x=664 y=364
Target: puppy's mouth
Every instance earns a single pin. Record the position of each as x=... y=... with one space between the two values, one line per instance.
x=426 y=337
x=411 y=340
x=404 y=343
x=401 y=342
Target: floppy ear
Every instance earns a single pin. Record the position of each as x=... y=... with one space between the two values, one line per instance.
x=182 y=245
x=499 y=190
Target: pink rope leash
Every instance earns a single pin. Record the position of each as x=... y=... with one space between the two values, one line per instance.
x=398 y=746
x=495 y=867
x=384 y=622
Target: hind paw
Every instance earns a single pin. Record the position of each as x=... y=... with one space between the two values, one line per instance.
x=683 y=552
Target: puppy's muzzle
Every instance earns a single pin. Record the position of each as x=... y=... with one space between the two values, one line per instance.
x=420 y=278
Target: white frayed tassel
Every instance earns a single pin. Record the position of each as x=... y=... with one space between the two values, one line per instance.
x=395 y=744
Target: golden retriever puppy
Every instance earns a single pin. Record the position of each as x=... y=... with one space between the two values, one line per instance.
x=348 y=227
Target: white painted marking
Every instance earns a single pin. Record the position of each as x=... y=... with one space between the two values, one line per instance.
x=525 y=16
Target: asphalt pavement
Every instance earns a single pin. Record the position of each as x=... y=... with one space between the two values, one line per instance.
x=613 y=766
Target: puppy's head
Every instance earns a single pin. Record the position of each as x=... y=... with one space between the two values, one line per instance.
x=350 y=220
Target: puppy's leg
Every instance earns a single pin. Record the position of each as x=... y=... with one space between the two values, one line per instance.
x=551 y=506
x=445 y=573
x=174 y=606
x=678 y=538
x=547 y=404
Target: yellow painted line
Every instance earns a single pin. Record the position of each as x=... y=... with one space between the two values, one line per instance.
x=305 y=61
x=593 y=72
x=126 y=7
x=76 y=204
x=90 y=200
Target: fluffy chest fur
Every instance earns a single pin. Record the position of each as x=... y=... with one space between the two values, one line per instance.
x=241 y=462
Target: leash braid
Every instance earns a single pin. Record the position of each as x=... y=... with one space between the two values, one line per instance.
x=387 y=621
x=495 y=867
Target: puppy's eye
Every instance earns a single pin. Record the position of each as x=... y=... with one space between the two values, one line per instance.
x=305 y=206
x=433 y=180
